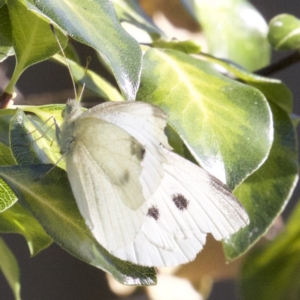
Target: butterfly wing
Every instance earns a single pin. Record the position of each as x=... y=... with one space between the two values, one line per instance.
x=146 y=124
x=188 y=204
x=104 y=167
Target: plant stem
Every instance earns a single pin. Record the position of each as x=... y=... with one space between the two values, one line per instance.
x=280 y=65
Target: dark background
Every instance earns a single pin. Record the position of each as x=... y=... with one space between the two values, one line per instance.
x=54 y=274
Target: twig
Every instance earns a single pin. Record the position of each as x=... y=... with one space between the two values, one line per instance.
x=280 y=65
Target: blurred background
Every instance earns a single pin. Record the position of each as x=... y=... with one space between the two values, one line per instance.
x=54 y=274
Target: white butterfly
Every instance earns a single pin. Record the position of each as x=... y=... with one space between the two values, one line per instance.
x=142 y=202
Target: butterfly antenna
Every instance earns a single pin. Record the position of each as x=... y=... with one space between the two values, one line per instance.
x=88 y=61
x=64 y=55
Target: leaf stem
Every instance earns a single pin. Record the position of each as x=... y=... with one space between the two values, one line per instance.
x=279 y=65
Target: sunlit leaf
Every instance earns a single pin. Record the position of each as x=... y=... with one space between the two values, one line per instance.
x=234 y=30
x=136 y=22
x=274 y=89
x=188 y=46
x=33 y=40
x=266 y=192
x=95 y=23
x=92 y=81
x=226 y=125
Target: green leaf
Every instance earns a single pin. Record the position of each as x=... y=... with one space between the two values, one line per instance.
x=234 y=30
x=5 y=119
x=10 y=268
x=136 y=22
x=284 y=32
x=95 y=23
x=226 y=125
x=51 y=201
x=5 y=34
x=266 y=192
x=7 y=197
x=93 y=82
x=189 y=47
x=273 y=272
x=33 y=39
x=273 y=89
x=18 y=220
x=33 y=141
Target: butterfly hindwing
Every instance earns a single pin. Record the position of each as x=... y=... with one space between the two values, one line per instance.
x=188 y=204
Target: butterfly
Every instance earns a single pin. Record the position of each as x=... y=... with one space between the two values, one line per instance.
x=143 y=203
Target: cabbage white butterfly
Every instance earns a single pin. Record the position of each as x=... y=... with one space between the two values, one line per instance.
x=142 y=202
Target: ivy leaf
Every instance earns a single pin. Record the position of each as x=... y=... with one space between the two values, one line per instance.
x=284 y=32
x=189 y=47
x=265 y=193
x=33 y=141
x=136 y=22
x=7 y=197
x=51 y=201
x=273 y=272
x=33 y=40
x=18 y=220
x=92 y=81
x=10 y=268
x=274 y=89
x=5 y=34
x=234 y=30
x=95 y=23
x=226 y=125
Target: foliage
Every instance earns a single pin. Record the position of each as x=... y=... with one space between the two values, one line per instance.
x=235 y=124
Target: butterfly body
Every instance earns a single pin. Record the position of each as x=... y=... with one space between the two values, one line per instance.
x=142 y=202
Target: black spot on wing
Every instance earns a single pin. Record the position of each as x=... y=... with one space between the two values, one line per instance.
x=180 y=201
x=137 y=149
x=143 y=153
x=153 y=212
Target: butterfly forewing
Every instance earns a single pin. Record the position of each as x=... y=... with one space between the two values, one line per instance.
x=104 y=166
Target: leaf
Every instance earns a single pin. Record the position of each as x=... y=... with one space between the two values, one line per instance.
x=95 y=23
x=7 y=197
x=136 y=22
x=32 y=141
x=234 y=30
x=5 y=34
x=33 y=39
x=18 y=220
x=189 y=47
x=91 y=80
x=284 y=32
x=226 y=125
x=266 y=192
x=10 y=268
x=273 y=272
x=273 y=89
x=51 y=201
x=5 y=119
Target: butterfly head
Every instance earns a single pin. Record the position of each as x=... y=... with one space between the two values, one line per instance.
x=72 y=110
